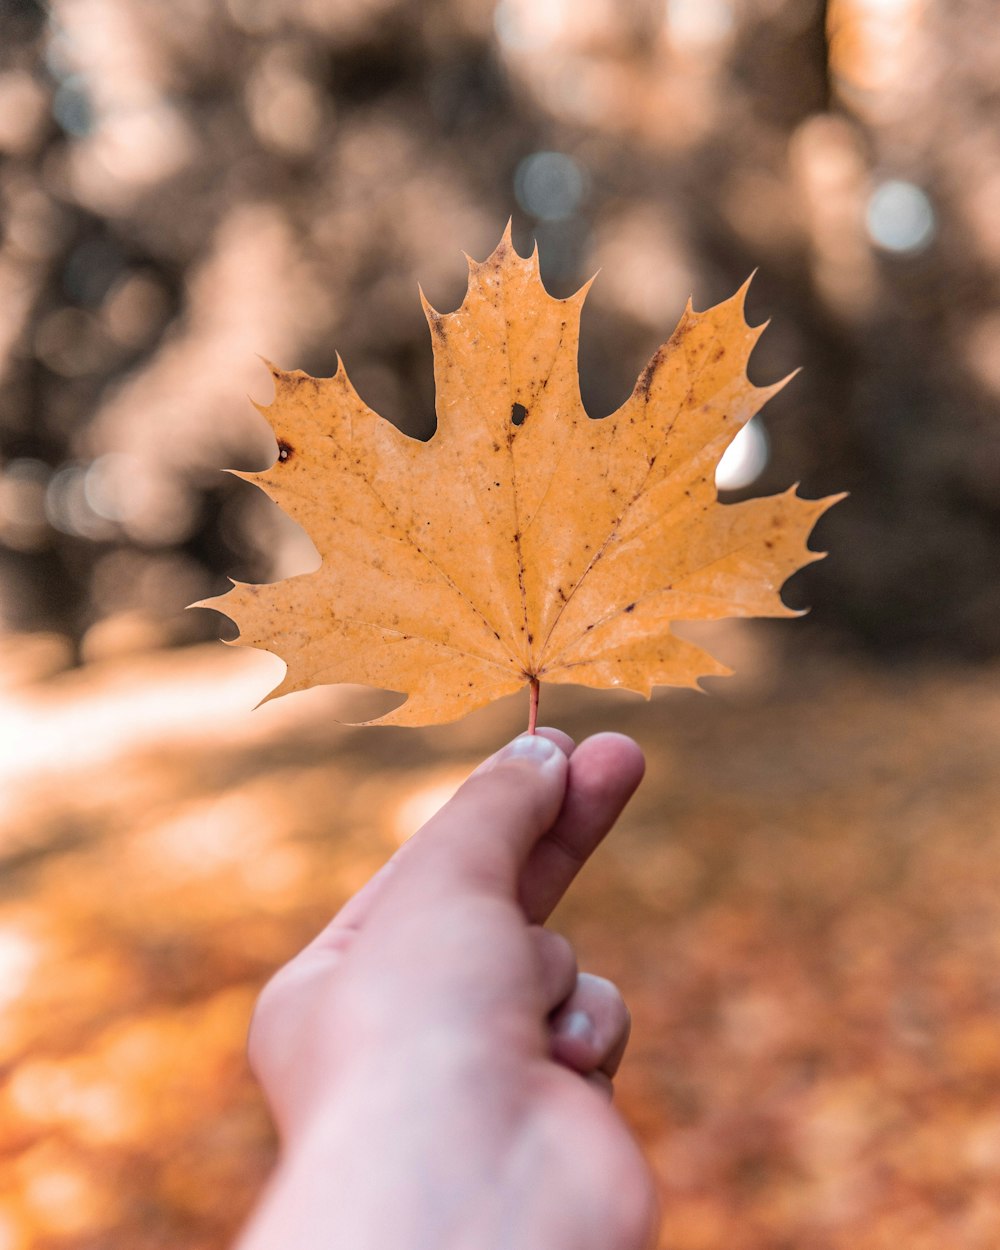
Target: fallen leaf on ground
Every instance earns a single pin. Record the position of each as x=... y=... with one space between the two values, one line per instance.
x=525 y=542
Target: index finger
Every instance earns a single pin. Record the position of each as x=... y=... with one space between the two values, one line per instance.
x=604 y=772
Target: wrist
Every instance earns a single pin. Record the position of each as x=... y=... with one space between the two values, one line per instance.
x=383 y=1163
x=402 y=1151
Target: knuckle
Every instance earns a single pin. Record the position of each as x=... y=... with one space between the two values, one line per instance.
x=556 y=948
x=266 y=1010
x=278 y=1003
x=274 y=992
x=562 y=945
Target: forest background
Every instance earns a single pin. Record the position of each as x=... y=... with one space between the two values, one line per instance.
x=803 y=904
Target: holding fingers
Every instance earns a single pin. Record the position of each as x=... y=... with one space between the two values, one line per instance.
x=588 y=1022
x=432 y=1056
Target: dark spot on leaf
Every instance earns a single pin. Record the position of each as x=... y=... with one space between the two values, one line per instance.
x=646 y=377
x=285 y=450
x=630 y=607
x=518 y=412
x=531 y=638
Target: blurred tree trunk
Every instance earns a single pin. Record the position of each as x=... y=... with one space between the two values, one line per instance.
x=372 y=141
x=892 y=404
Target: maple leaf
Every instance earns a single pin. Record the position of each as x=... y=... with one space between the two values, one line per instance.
x=525 y=542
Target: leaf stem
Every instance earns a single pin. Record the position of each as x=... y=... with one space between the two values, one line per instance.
x=533 y=705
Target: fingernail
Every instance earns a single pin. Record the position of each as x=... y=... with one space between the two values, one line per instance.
x=574 y=1026
x=529 y=747
x=540 y=750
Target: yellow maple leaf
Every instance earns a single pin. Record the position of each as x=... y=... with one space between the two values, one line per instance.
x=525 y=542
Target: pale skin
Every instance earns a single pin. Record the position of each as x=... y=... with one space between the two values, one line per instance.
x=438 y=1069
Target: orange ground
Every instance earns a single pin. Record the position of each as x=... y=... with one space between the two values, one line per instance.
x=802 y=907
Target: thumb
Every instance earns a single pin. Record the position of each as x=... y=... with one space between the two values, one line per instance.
x=481 y=838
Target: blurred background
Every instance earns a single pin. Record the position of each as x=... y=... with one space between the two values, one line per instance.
x=803 y=905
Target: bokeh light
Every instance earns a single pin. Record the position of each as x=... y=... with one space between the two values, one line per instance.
x=697 y=23
x=745 y=458
x=900 y=217
x=549 y=185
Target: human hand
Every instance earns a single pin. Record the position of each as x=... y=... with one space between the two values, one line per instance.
x=437 y=1067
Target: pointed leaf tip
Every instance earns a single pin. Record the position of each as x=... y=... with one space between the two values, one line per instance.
x=429 y=310
x=452 y=568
